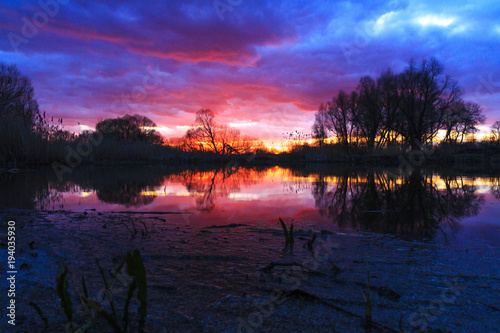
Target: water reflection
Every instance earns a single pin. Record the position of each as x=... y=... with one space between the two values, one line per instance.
x=210 y=185
x=31 y=190
x=124 y=186
x=413 y=206
x=495 y=187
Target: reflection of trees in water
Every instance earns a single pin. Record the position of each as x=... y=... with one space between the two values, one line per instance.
x=128 y=195
x=297 y=186
x=495 y=187
x=42 y=189
x=33 y=190
x=411 y=206
x=210 y=185
x=128 y=186
x=123 y=186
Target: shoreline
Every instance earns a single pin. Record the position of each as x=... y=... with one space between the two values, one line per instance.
x=209 y=280
x=467 y=157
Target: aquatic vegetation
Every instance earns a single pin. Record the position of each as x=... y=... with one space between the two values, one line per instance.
x=288 y=235
x=40 y=313
x=133 y=232
x=368 y=300
x=63 y=293
x=310 y=243
x=118 y=323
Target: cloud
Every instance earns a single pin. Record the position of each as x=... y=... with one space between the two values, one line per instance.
x=265 y=68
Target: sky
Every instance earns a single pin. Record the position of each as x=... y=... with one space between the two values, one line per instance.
x=263 y=67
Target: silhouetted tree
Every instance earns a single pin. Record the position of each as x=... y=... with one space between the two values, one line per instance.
x=128 y=128
x=17 y=101
x=426 y=96
x=495 y=132
x=207 y=135
x=339 y=114
x=204 y=131
x=413 y=106
x=20 y=118
x=462 y=119
x=62 y=135
x=389 y=99
x=368 y=115
x=320 y=127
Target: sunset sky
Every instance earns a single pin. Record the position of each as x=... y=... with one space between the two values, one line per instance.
x=261 y=66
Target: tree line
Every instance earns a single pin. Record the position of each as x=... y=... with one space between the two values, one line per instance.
x=411 y=107
x=29 y=136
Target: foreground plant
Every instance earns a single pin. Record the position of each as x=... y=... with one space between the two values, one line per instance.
x=133 y=231
x=368 y=300
x=118 y=323
x=310 y=243
x=288 y=235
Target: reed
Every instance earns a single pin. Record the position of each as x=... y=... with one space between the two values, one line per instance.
x=119 y=321
x=288 y=234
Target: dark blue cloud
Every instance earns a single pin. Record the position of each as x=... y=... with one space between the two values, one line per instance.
x=252 y=61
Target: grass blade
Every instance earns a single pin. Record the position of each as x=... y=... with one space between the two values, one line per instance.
x=285 y=230
x=40 y=313
x=136 y=270
x=63 y=293
x=368 y=300
x=104 y=279
x=84 y=287
x=108 y=317
x=108 y=291
x=130 y=294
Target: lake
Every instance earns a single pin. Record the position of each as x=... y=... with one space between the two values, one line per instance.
x=425 y=205
x=214 y=251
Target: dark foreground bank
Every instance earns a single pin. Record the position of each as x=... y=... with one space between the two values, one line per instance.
x=235 y=277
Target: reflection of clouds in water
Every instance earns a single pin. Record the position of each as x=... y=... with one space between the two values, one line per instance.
x=419 y=205
x=243 y=196
x=210 y=185
x=411 y=206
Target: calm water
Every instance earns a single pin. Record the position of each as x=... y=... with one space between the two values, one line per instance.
x=457 y=209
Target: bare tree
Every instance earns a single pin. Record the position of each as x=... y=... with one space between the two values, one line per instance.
x=368 y=115
x=390 y=99
x=207 y=135
x=21 y=124
x=471 y=117
x=462 y=119
x=17 y=102
x=320 y=125
x=413 y=106
x=339 y=113
x=495 y=131
x=205 y=131
x=427 y=96
x=452 y=122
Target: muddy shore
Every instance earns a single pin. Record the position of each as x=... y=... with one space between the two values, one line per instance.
x=235 y=277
